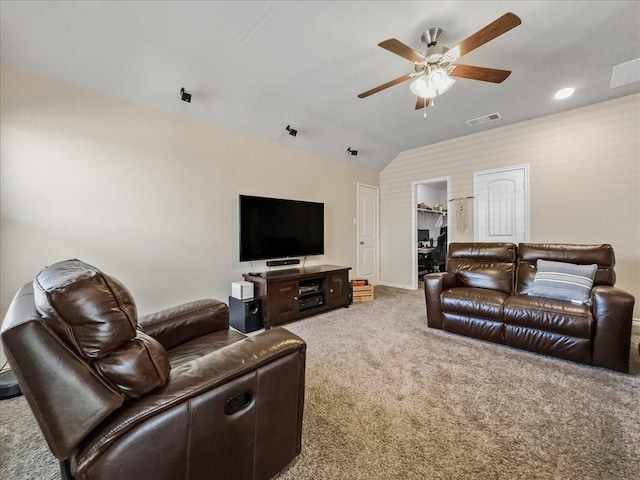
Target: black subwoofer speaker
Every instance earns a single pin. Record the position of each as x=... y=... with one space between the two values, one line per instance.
x=9 y=385
x=245 y=315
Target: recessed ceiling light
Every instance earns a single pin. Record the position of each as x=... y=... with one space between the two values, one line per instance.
x=564 y=93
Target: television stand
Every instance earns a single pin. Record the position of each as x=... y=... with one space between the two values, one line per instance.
x=295 y=293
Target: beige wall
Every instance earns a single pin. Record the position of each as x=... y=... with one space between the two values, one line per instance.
x=584 y=168
x=149 y=197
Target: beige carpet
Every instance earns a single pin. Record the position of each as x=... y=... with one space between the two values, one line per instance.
x=389 y=398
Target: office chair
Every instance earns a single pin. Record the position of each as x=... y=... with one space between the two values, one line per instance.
x=438 y=256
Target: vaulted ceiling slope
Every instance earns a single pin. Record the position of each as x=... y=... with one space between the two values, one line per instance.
x=259 y=66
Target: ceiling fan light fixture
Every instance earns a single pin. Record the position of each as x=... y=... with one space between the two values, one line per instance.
x=421 y=88
x=432 y=68
x=439 y=80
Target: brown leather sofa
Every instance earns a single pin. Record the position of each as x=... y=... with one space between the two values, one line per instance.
x=484 y=294
x=171 y=395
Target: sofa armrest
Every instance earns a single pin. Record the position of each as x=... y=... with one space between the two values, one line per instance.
x=271 y=364
x=434 y=285
x=612 y=309
x=177 y=325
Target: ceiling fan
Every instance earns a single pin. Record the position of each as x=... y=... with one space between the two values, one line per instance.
x=434 y=68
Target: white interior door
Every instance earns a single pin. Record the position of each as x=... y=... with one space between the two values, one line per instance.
x=368 y=241
x=502 y=205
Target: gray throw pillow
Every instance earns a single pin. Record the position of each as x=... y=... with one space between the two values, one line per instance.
x=564 y=281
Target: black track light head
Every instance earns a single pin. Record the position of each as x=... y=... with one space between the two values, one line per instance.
x=186 y=97
x=352 y=152
x=293 y=132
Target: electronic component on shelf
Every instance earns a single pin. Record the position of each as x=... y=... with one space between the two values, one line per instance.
x=313 y=287
x=311 y=301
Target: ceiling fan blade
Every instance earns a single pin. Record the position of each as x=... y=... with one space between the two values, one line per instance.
x=385 y=85
x=420 y=102
x=399 y=48
x=496 y=28
x=483 y=74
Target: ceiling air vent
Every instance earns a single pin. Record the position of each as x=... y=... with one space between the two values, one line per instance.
x=625 y=73
x=492 y=117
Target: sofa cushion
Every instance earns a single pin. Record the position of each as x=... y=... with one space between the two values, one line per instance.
x=196 y=348
x=530 y=253
x=564 y=281
x=549 y=315
x=490 y=330
x=96 y=316
x=548 y=343
x=137 y=367
x=483 y=265
x=93 y=312
x=475 y=302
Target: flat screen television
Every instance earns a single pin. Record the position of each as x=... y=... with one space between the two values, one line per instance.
x=279 y=228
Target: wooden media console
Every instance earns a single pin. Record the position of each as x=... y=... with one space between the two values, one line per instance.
x=295 y=293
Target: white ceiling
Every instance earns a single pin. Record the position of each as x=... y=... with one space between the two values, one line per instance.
x=259 y=66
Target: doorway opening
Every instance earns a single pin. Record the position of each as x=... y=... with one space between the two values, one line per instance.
x=430 y=222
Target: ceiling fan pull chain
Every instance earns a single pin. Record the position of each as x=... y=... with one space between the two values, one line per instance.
x=431 y=104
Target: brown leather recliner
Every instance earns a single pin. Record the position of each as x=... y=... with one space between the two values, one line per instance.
x=171 y=395
x=486 y=293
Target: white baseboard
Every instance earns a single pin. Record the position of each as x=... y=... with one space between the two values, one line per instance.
x=396 y=285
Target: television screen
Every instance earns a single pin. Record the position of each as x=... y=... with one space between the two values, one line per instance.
x=279 y=228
